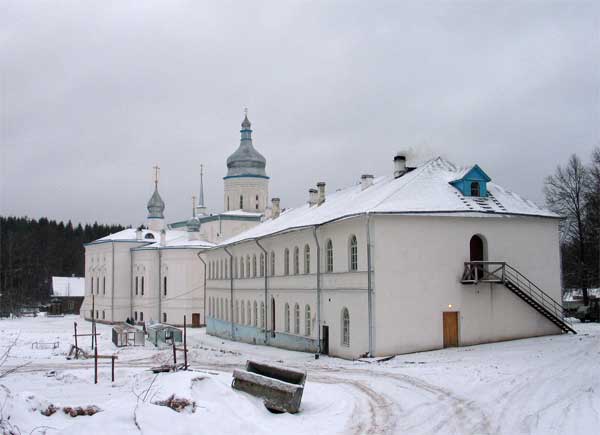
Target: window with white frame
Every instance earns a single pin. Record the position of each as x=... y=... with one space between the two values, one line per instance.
x=241 y=267
x=345 y=327
x=226 y=309
x=286 y=262
x=307 y=320
x=296 y=261
x=287 y=317
x=296 y=319
x=306 y=259
x=353 y=253
x=261 y=269
x=237 y=312
x=248 y=266
x=262 y=315
x=243 y=313
x=329 y=255
x=255 y=317
x=249 y=308
x=272 y=263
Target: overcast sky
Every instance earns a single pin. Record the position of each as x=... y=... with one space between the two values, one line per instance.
x=93 y=94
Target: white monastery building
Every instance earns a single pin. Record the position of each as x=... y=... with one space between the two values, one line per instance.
x=433 y=255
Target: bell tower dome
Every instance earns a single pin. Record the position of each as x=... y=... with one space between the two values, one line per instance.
x=246 y=182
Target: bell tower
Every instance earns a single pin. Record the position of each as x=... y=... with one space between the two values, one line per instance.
x=246 y=182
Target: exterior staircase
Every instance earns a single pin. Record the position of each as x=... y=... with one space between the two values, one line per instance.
x=502 y=273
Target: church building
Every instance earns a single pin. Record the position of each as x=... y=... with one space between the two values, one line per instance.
x=155 y=273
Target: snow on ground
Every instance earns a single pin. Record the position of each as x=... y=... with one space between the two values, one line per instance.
x=547 y=385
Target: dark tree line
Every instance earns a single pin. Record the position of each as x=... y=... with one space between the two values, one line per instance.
x=574 y=192
x=32 y=251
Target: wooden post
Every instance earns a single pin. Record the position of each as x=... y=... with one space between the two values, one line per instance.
x=76 y=348
x=185 y=364
x=96 y=365
x=174 y=354
x=113 y=368
x=93 y=318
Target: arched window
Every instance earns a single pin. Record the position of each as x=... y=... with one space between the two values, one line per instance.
x=237 y=311
x=241 y=267
x=329 y=255
x=255 y=317
x=296 y=319
x=261 y=269
x=475 y=189
x=345 y=327
x=241 y=202
x=307 y=320
x=254 y=266
x=262 y=315
x=248 y=266
x=287 y=317
x=353 y=253
x=306 y=259
x=103 y=285
x=235 y=269
x=243 y=313
x=296 y=261
x=286 y=262
x=272 y=263
x=249 y=307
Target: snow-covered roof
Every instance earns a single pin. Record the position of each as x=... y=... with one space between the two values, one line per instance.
x=68 y=286
x=240 y=213
x=151 y=239
x=424 y=190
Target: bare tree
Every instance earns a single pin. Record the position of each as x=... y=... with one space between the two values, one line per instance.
x=566 y=194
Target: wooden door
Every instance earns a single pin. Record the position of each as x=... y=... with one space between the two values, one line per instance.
x=450 y=329
x=195 y=320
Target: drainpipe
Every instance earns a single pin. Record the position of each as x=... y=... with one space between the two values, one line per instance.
x=204 y=306
x=112 y=286
x=266 y=300
x=318 y=289
x=159 y=279
x=230 y=287
x=369 y=284
x=131 y=283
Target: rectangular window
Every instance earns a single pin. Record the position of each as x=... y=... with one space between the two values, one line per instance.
x=103 y=315
x=97 y=285
x=92 y=285
x=136 y=286
x=96 y=315
x=141 y=316
x=135 y=315
x=103 y=285
x=142 y=286
x=164 y=317
x=165 y=285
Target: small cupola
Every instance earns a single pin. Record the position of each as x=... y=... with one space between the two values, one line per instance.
x=472 y=181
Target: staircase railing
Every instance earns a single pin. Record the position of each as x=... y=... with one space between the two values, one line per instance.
x=501 y=272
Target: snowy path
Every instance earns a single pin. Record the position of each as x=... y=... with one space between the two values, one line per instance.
x=547 y=385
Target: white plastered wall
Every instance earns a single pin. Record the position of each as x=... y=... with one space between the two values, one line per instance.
x=249 y=188
x=418 y=263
